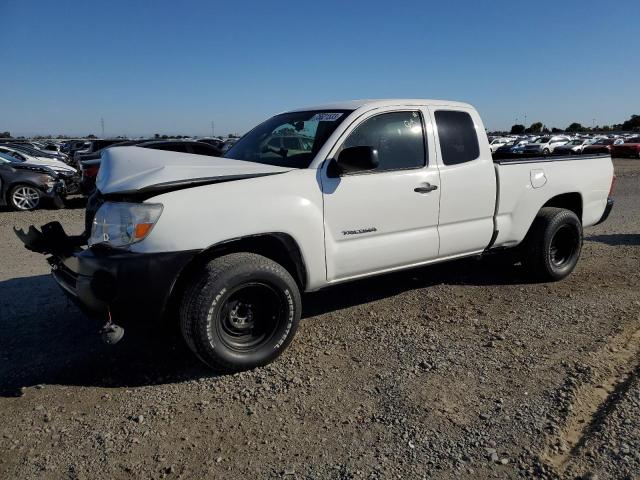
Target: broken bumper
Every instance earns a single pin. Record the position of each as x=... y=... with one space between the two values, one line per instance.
x=126 y=284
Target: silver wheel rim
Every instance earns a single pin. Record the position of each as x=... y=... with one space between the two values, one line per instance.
x=26 y=198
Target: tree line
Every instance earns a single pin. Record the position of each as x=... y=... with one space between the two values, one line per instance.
x=631 y=125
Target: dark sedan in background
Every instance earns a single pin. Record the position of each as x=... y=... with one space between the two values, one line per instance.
x=24 y=186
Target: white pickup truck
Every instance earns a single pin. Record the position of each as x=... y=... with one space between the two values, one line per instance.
x=308 y=199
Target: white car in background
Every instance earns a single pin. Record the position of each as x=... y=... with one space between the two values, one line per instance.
x=55 y=165
x=497 y=143
x=545 y=145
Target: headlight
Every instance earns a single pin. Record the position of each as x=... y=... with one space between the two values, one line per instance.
x=119 y=224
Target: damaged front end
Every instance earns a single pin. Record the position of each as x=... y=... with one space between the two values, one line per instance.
x=104 y=270
x=91 y=293
x=107 y=283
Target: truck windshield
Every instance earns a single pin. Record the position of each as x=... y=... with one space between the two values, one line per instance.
x=289 y=139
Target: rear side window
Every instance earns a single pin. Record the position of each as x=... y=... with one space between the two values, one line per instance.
x=458 y=139
x=398 y=137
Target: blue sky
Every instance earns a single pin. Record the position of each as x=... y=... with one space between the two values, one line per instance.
x=173 y=67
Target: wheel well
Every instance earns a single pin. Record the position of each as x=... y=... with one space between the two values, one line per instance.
x=279 y=247
x=570 y=201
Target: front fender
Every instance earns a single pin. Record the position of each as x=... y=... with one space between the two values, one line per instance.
x=290 y=203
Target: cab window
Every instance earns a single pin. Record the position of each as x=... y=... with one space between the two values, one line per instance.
x=397 y=136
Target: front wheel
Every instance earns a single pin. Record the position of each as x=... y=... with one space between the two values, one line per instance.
x=546 y=152
x=240 y=311
x=24 y=197
x=553 y=244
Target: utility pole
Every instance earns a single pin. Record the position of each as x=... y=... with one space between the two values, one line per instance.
x=525 y=119
x=102 y=125
x=213 y=128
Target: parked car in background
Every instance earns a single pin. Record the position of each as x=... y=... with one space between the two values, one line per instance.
x=184 y=146
x=574 y=147
x=497 y=143
x=24 y=186
x=602 y=145
x=81 y=157
x=510 y=149
x=629 y=148
x=72 y=146
x=35 y=158
x=51 y=147
x=544 y=145
x=69 y=174
x=33 y=151
x=94 y=146
x=216 y=142
x=228 y=143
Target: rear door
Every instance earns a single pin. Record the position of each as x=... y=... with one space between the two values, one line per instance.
x=377 y=221
x=468 y=181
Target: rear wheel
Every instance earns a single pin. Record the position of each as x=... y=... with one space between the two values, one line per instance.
x=552 y=246
x=24 y=197
x=240 y=311
x=545 y=152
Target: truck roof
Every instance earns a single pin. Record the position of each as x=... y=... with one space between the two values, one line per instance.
x=382 y=102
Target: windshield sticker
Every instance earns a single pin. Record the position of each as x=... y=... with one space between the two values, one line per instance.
x=325 y=117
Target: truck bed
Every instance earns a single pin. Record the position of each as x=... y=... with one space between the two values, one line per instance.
x=525 y=185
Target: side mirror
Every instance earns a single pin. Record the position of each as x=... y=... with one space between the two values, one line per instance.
x=357 y=159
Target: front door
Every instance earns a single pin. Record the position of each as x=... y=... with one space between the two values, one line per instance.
x=386 y=218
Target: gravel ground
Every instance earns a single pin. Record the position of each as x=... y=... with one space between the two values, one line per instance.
x=458 y=370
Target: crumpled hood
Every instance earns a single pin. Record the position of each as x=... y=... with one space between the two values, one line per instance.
x=136 y=169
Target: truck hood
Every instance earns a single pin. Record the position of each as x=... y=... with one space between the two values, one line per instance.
x=131 y=170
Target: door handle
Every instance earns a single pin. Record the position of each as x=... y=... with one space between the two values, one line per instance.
x=426 y=188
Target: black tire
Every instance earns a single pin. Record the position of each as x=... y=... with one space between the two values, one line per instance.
x=240 y=311
x=24 y=197
x=553 y=244
x=545 y=152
